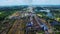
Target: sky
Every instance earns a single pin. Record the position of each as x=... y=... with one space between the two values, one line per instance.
x=28 y=2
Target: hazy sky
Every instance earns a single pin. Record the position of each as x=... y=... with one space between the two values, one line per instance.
x=26 y=2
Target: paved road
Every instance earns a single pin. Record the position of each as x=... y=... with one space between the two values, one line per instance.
x=46 y=25
x=17 y=25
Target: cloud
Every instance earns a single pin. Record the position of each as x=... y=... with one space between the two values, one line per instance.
x=12 y=2
x=46 y=2
x=27 y=2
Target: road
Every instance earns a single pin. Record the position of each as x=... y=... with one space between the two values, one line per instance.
x=19 y=24
x=8 y=24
